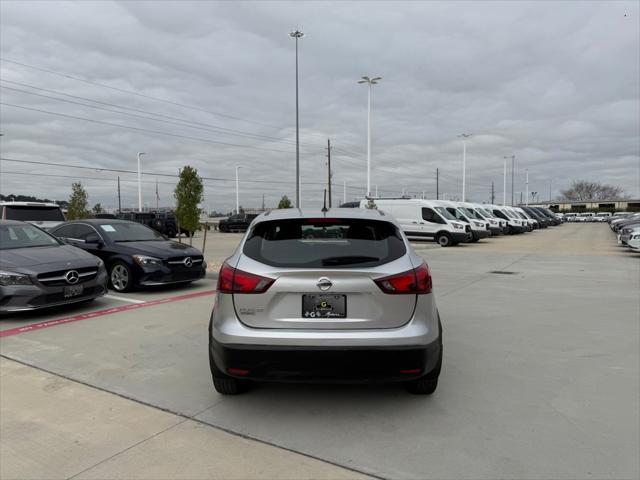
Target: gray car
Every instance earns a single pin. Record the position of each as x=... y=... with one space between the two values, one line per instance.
x=37 y=270
x=338 y=296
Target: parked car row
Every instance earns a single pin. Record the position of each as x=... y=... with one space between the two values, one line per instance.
x=627 y=229
x=587 y=216
x=450 y=223
x=76 y=261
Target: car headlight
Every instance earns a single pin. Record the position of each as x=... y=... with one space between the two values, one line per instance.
x=492 y=222
x=458 y=226
x=478 y=224
x=12 y=278
x=145 y=261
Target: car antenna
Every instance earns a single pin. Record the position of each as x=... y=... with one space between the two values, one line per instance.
x=324 y=206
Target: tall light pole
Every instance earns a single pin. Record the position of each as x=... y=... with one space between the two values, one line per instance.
x=297 y=34
x=237 y=190
x=139 y=183
x=369 y=81
x=526 y=194
x=504 y=187
x=464 y=163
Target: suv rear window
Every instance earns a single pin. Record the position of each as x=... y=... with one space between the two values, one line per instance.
x=28 y=213
x=324 y=243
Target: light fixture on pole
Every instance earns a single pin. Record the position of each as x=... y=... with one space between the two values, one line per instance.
x=139 y=183
x=464 y=163
x=237 y=190
x=369 y=81
x=297 y=34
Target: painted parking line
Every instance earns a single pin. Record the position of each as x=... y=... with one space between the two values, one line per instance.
x=124 y=299
x=101 y=313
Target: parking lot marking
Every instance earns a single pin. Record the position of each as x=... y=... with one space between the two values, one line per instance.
x=101 y=313
x=123 y=299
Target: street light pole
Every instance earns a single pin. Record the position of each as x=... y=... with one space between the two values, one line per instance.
x=139 y=183
x=504 y=185
x=237 y=190
x=464 y=162
x=297 y=34
x=369 y=82
x=527 y=189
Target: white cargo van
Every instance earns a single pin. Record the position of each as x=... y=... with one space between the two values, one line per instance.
x=479 y=227
x=496 y=224
x=421 y=219
x=514 y=225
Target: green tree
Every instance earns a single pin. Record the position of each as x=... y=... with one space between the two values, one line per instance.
x=97 y=209
x=78 y=202
x=188 y=194
x=285 y=202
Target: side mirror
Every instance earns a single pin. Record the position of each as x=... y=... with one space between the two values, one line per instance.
x=93 y=238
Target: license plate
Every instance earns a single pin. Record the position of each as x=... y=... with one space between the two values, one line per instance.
x=324 y=306
x=72 y=291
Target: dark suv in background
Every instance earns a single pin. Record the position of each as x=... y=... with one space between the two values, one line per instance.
x=237 y=223
x=162 y=222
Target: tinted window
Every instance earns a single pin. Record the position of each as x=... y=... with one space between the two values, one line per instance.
x=326 y=243
x=82 y=231
x=26 y=213
x=431 y=216
x=24 y=236
x=66 y=231
x=443 y=211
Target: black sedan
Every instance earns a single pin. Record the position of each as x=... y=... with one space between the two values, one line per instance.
x=135 y=255
x=37 y=270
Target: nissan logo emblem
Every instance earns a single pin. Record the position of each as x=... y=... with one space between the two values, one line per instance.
x=324 y=284
x=188 y=262
x=71 y=277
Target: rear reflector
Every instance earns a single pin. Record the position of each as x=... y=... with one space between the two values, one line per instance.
x=239 y=372
x=232 y=280
x=416 y=281
x=410 y=372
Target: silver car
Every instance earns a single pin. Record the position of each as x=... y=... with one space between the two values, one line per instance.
x=338 y=296
x=37 y=270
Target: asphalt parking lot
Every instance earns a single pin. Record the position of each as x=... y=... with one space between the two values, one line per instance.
x=540 y=379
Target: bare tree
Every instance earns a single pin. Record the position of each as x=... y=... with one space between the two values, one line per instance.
x=582 y=190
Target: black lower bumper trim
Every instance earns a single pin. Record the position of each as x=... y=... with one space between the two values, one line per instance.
x=335 y=365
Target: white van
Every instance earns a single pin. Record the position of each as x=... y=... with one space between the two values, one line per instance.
x=422 y=220
x=496 y=224
x=40 y=214
x=532 y=222
x=479 y=227
x=514 y=225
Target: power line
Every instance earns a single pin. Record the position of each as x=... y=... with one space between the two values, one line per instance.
x=215 y=128
x=139 y=129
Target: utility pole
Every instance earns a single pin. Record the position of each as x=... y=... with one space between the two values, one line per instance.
x=520 y=199
x=464 y=162
x=513 y=168
x=550 y=182
x=344 y=191
x=437 y=184
x=493 y=194
x=263 y=202
x=119 y=200
x=157 y=195
x=329 y=169
x=504 y=186
x=139 y=183
x=526 y=189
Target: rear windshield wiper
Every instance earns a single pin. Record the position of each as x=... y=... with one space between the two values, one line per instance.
x=346 y=260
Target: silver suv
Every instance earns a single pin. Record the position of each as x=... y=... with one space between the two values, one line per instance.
x=338 y=296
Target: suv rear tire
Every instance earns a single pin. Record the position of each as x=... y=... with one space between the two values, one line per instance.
x=229 y=386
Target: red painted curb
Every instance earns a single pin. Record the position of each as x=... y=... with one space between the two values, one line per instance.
x=101 y=313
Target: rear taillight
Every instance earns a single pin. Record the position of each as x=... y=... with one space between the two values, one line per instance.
x=416 y=281
x=232 y=280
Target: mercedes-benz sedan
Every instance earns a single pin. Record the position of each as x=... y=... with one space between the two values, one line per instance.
x=135 y=255
x=37 y=270
x=332 y=297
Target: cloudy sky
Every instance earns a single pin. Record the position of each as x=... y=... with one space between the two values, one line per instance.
x=212 y=84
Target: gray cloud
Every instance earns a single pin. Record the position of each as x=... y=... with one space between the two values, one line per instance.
x=556 y=83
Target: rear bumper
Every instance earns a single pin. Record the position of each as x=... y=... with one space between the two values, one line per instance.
x=321 y=364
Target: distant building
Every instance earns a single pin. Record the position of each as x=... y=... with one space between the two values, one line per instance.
x=592 y=205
